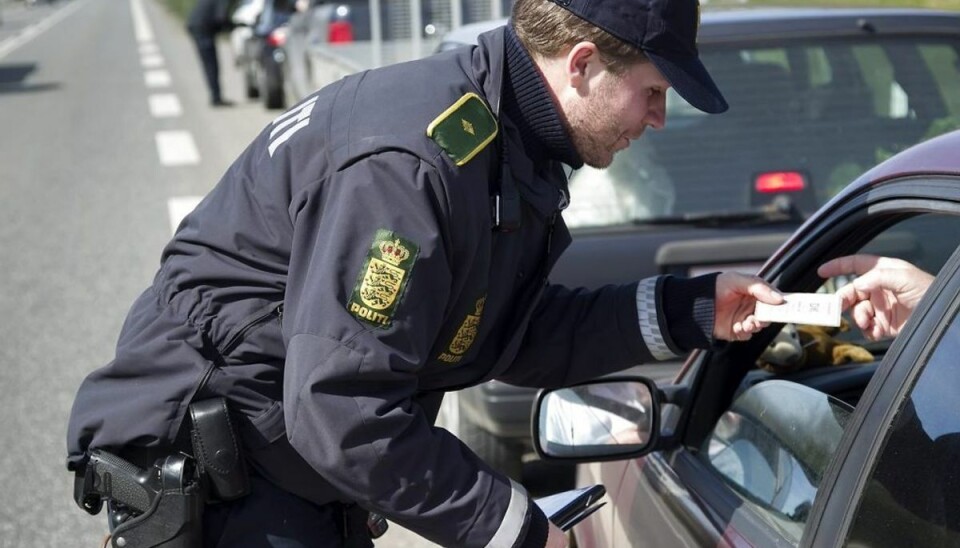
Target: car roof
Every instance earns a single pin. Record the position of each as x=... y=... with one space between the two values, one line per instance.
x=937 y=156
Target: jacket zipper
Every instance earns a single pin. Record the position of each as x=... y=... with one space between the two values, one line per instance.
x=234 y=340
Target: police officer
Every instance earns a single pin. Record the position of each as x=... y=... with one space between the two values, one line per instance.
x=388 y=240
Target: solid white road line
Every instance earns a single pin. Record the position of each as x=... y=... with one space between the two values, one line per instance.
x=157 y=78
x=176 y=148
x=141 y=25
x=178 y=207
x=31 y=32
x=165 y=105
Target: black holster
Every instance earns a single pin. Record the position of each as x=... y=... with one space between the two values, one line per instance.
x=175 y=519
x=161 y=506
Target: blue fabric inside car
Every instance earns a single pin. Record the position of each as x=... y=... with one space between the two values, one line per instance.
x=775 y=442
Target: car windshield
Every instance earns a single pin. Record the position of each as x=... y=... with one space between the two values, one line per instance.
x=805 y=119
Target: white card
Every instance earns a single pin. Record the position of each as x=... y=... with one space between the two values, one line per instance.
x=803 y=308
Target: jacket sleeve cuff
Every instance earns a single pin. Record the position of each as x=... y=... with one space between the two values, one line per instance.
x=688 y=306
x=676 y=314
x=524 y=525
x=653 y=326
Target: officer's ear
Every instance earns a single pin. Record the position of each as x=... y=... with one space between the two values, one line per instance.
x=583 y=64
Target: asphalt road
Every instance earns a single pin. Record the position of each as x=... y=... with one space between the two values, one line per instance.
x=85 y=205
x=108 y=139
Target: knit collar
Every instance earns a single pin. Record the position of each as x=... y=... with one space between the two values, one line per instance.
x=529 y=105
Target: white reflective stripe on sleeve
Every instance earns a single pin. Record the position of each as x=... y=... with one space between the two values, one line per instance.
x=509 y=530
x=649 y=321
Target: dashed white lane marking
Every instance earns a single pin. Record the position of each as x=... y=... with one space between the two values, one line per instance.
x=179 y=207
x=141 y=25
x=31 y=32
x=165 y=105
x=151 y=60
x=157 y=78
x=176 y=148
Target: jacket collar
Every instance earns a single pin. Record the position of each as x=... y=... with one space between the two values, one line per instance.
x=540 y=178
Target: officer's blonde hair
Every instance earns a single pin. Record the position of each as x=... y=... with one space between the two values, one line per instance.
x=547 y=30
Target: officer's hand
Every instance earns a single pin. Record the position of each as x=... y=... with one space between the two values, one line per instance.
x=556 y=538
x=736 y=297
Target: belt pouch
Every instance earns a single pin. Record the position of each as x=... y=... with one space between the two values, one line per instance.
x=216 y=448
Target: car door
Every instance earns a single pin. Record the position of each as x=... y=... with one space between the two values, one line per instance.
x=684 y=497
x=896 y=481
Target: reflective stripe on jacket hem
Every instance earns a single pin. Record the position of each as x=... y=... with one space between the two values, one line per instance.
x=513 y=520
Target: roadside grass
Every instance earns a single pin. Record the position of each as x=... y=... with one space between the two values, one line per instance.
x=180 y=7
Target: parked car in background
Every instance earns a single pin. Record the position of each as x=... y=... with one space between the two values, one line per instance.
x=816 y=97
x=319 y=23
x=344 y=30
x=243 y=18
x=263 y=55
x=862 y=454
x=344 y=21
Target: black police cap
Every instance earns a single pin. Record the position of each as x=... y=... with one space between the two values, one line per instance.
x=666 y=31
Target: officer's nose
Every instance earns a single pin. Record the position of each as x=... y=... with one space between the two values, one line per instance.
x=657 y=111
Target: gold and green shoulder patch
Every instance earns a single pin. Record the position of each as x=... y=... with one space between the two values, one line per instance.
x=464 y=129
x=465 y=336
x=383 y=278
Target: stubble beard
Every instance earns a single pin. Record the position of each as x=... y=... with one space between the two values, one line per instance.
x=594 y=130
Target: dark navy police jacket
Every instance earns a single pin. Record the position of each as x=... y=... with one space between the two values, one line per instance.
x=339 y=279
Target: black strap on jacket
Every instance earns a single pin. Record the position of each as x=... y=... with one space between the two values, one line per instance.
x=504 y=196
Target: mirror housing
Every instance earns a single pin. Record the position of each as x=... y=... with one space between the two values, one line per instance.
x=610 y=418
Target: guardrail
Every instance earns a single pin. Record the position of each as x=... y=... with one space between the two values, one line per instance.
x=334 y=61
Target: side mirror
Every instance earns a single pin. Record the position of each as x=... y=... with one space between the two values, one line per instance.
x=605 y=419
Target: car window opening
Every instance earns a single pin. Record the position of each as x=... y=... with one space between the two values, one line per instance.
x=773 y=444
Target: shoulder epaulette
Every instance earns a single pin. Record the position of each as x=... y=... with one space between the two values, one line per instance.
x=464 y=129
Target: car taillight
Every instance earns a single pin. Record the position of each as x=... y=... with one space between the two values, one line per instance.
x=339 y=32
x=780 y=181
x=277 y=38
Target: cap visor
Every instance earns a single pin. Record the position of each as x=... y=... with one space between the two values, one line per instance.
x=691 y=80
